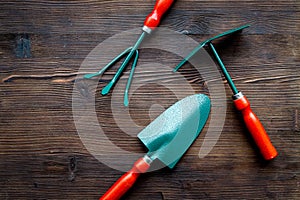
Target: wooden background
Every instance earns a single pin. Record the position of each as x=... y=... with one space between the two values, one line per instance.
x=43 y=43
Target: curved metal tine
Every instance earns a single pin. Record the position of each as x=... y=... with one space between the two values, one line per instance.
x=111 y=63
x=202 y=44
x=126 y=99
x=107 y=88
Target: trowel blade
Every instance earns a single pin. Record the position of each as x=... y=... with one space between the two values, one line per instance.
x=171 y=134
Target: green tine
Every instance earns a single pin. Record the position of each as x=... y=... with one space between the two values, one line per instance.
x=107 y=88
x=202 y=44
x=126 y=99
x=111 y=63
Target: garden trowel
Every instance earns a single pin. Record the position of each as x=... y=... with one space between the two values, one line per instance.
x=167 y=139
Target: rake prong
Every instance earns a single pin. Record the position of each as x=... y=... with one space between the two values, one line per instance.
x=126 y=99
x=111 y=63
x=107 y=88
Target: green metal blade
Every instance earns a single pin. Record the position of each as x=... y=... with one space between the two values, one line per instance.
x=235 y=30
x=171 y=134
x=202 y=44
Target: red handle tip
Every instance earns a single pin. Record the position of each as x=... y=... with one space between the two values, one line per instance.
x=256 y=129
x=123 y=184
x=153 y=19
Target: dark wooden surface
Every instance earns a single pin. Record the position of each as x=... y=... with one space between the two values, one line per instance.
x=43 y=43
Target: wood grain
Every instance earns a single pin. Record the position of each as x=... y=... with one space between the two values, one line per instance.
x=41 y=153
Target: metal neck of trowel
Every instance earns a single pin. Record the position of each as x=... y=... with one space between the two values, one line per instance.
x=202 y=44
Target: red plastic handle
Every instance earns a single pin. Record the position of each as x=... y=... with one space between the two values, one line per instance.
x=153 y=19
x=123 y=184
x=256 y=129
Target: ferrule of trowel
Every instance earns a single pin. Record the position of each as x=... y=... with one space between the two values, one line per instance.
x=167 y=138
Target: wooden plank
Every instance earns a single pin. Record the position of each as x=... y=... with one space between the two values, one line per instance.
x=193 y=17
x=41 y=153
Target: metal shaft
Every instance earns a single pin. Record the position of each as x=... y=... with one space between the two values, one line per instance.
x=224 y=70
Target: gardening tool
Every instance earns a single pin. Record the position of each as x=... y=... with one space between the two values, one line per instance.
x=167 y=139
x=152 y=21
x=242 y=104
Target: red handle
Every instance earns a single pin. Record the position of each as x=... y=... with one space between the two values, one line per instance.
x=123 y=184
x=153 y=19
x=256 y=129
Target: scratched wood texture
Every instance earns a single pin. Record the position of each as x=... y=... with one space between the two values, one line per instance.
x=42 y=45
